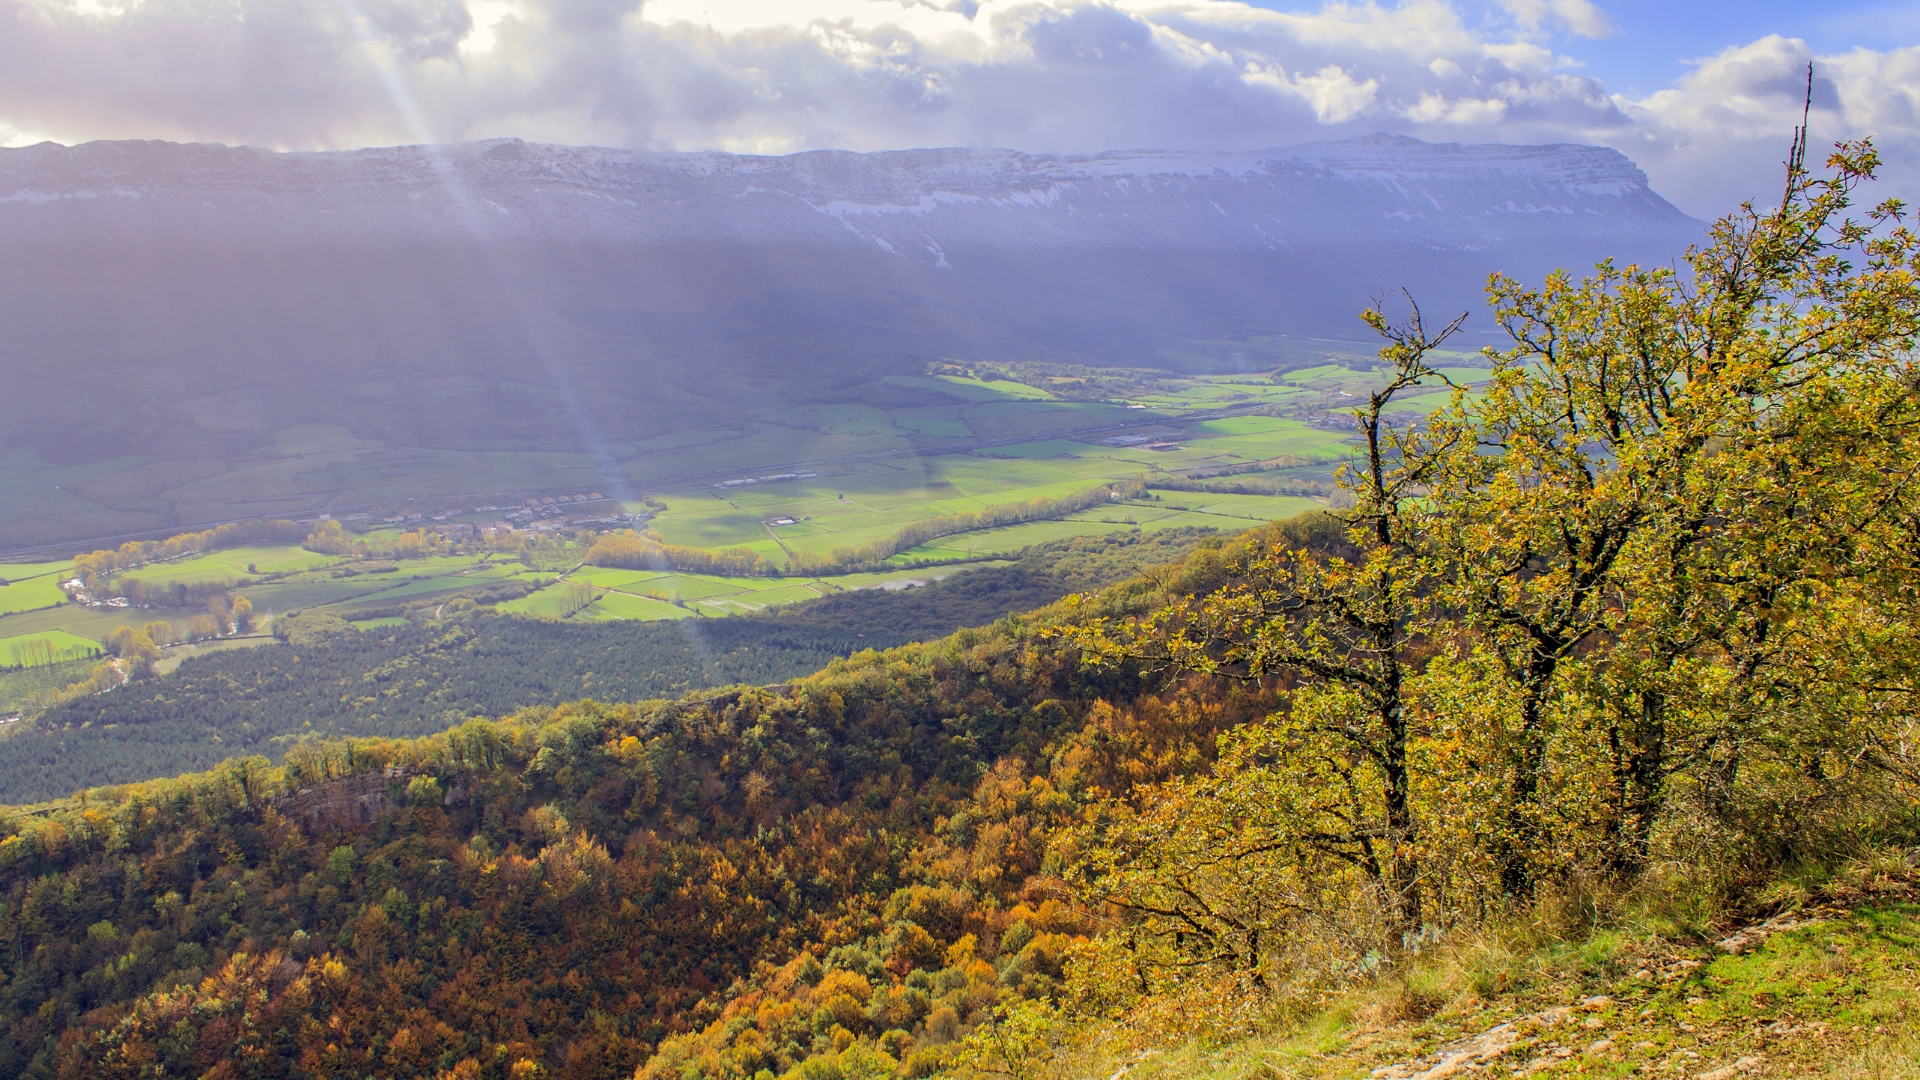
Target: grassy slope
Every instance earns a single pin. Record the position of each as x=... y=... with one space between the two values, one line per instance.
x=1825 y=987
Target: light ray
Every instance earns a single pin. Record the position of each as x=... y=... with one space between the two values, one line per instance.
x=474 y=222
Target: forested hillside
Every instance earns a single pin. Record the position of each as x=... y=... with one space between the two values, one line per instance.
x=422 y=677
x=564 y=890
x=1584 y=740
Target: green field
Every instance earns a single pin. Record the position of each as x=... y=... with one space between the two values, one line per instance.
x=32 y=585
x=26 y=594
x=347 y=589
x=644 y=594
x=306 y=580
x=1228 y=513
x=648 y=594
x=17 y=572
x=614 y=606
x=170 y=658
x=233 y=564
x=36 y=650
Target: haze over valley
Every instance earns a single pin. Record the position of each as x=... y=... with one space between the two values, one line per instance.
x=208 y=333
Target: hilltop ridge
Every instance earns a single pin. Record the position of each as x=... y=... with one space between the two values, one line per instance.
x=919 y=205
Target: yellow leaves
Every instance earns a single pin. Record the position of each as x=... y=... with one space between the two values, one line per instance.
x=1018 y=1040
x=578 y=863
x=773 y=1014
x=52 y=837
x=979 y=973
x=841 y=982
x=915 y=949
x=548 y=822
x=1679 y=461
x=749 y=1051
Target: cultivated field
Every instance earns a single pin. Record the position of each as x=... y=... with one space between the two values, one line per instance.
x=870 y=500
x=31 y=586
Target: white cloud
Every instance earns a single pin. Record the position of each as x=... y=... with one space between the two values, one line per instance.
x=1436 y=108
x=774 y=76
x=1334 y=95
x=1579 y=16
x=1721 y=126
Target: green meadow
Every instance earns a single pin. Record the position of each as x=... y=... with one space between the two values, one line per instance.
x=27 y=593
x=1170 y=509
x=17 y=572
x=234 y=564
x=44 y=649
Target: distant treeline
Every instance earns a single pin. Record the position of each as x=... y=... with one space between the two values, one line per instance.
x=178 y=594
x=326 y=538
x=108 y=561
x=421 y=678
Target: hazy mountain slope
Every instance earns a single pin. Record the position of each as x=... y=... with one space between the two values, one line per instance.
x=915 y=204
x=188 y=301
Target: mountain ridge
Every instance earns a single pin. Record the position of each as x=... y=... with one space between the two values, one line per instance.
x=914 y=204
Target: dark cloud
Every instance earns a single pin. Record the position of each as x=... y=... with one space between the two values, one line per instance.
x=418 y=30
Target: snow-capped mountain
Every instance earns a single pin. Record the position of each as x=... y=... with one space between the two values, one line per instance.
x=918 y=205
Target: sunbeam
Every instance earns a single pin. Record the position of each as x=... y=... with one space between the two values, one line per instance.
x=473 y=222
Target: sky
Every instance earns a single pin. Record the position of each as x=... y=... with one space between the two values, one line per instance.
x=1703 y=94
